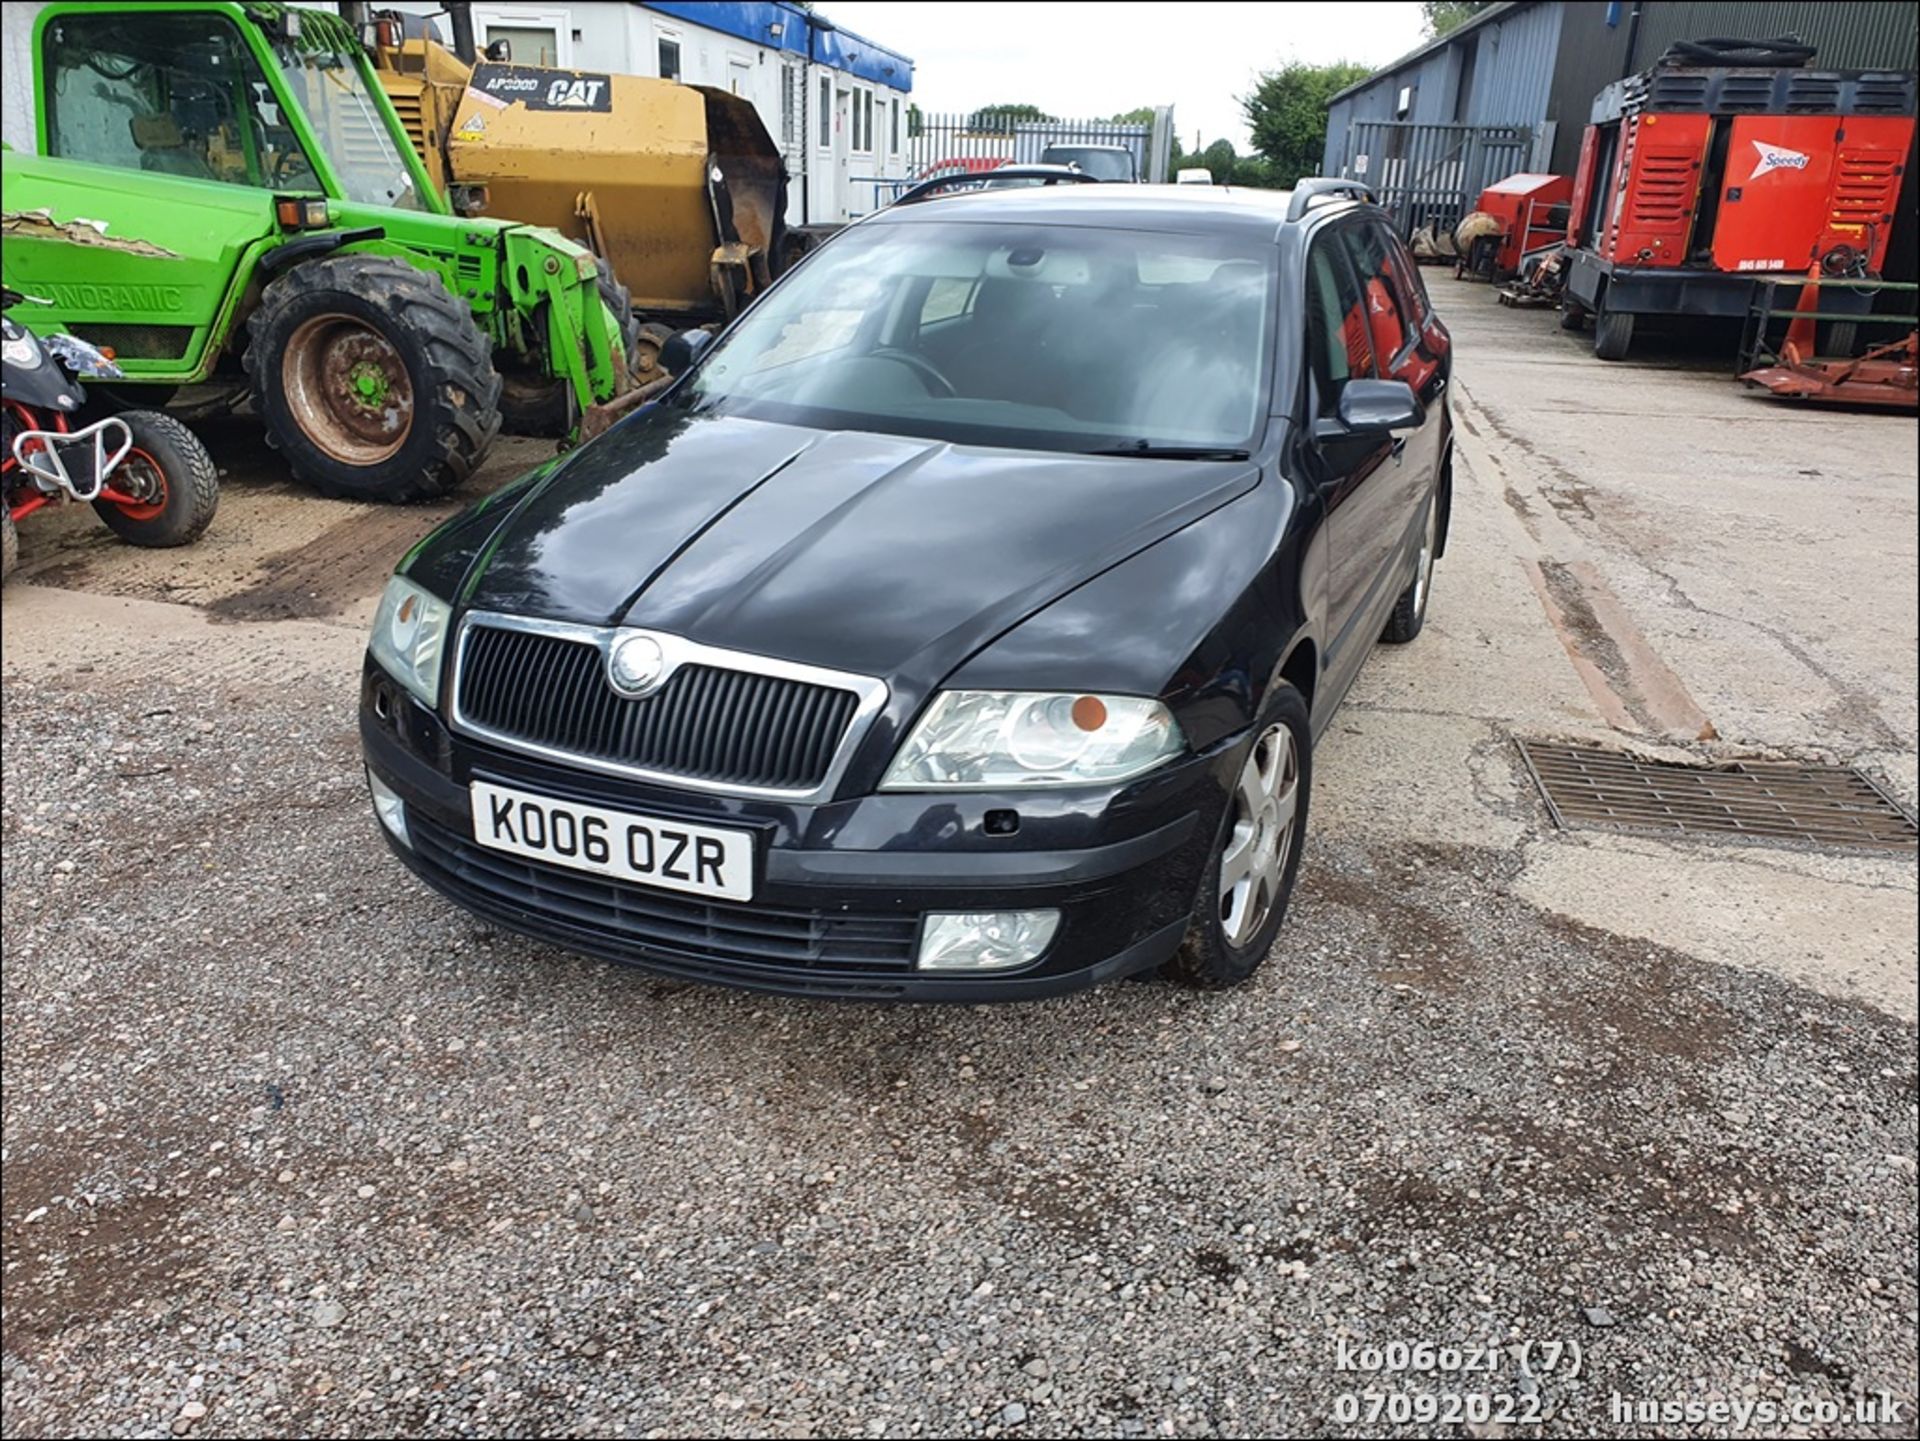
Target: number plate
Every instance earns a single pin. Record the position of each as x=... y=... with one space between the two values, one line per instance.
x=673 y=855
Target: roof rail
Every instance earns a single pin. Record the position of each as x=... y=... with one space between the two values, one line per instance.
x=1315 y=187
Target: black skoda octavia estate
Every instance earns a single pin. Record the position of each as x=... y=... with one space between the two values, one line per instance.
x=959 y=624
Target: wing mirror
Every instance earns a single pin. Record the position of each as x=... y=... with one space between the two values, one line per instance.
x=684 y=347
x=1372 y=407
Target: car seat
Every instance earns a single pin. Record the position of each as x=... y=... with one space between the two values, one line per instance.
x=164 y=149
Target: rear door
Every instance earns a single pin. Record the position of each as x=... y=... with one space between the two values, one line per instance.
x=1355 y=472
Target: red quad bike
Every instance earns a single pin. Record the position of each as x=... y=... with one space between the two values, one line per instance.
x=145 y=473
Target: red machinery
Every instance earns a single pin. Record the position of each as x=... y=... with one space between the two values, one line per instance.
x=1530 y=214
x=1698 y=175
x=1887 y=375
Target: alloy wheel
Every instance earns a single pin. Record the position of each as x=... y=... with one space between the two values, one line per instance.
x=1265 y=803
x=1423 y=572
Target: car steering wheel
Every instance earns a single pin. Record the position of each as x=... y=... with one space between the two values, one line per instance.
x=938 y=385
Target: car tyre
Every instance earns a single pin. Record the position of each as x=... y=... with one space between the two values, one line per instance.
x=1265 y=822
x=1410 y=611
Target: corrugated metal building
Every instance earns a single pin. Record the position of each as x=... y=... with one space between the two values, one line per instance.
x=1539 y=63
x=1495 y=70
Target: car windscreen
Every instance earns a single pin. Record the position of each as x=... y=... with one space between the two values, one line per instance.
x=1050 y=337
x=1099 y=162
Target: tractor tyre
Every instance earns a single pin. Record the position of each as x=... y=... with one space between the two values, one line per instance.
x=172 y=479
x=643 y=359
x=372 y=378
x=1573 y=316
x=1612 y=334
x=536 y=404
x=9 y=544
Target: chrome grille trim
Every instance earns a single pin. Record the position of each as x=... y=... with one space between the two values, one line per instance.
x=871 y=693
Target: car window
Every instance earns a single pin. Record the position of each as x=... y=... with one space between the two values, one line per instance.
x=1392 y=321
x=1098 y=161
x=1338 y=341
x=1051 y=337
x=947 y=297
x=1406 y=274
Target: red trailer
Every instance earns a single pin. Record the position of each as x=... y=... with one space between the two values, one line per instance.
x=1695 y=178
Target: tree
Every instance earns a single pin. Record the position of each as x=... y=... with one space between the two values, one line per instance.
x=1256 y=173
x=1140 y=115
x=1000 y=119
x=1287 y=113
x=1219 y=158
x=1444 y=16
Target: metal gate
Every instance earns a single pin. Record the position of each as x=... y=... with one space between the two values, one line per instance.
x=1433 y=174
x=981 y=140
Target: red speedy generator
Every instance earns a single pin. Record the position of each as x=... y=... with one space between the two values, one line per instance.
x=1725 y=161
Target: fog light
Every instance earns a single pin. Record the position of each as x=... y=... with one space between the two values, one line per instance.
x=984 y=940
x=390 y=808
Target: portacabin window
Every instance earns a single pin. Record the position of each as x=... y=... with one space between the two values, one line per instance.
x=669 y=47
x=826 y=112
x=862 y=108
x=894 y=147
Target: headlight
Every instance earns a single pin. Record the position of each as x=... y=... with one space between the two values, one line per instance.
x=21 y=351
x=409 y=637
x=988 y=740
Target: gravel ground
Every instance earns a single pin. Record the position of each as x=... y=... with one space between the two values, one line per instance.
x=292 y=1146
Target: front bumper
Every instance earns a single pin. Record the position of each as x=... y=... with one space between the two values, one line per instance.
x=840 y=887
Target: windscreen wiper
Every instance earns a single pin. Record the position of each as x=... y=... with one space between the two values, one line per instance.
x=1149 y=451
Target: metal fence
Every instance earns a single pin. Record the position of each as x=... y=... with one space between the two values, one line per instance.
x=1433 y=174
x=982 y=139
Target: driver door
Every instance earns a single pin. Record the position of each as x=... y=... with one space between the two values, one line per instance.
x=1357 y=474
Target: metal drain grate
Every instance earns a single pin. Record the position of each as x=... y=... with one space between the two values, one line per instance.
x=1828 y=805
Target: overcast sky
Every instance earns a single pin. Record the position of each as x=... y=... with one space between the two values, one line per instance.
x=1078 y=60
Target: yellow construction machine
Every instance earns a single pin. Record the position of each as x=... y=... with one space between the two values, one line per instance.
x=679 y=189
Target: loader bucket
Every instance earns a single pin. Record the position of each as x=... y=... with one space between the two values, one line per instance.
x=753 y=177
x=625 y=165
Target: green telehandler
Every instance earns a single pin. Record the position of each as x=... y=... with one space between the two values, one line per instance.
x=223 y=196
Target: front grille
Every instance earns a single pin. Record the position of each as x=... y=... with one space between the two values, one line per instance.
x=707 y=723
x=668 y=927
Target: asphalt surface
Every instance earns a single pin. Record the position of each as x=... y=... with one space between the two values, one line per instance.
x=290 y=1145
